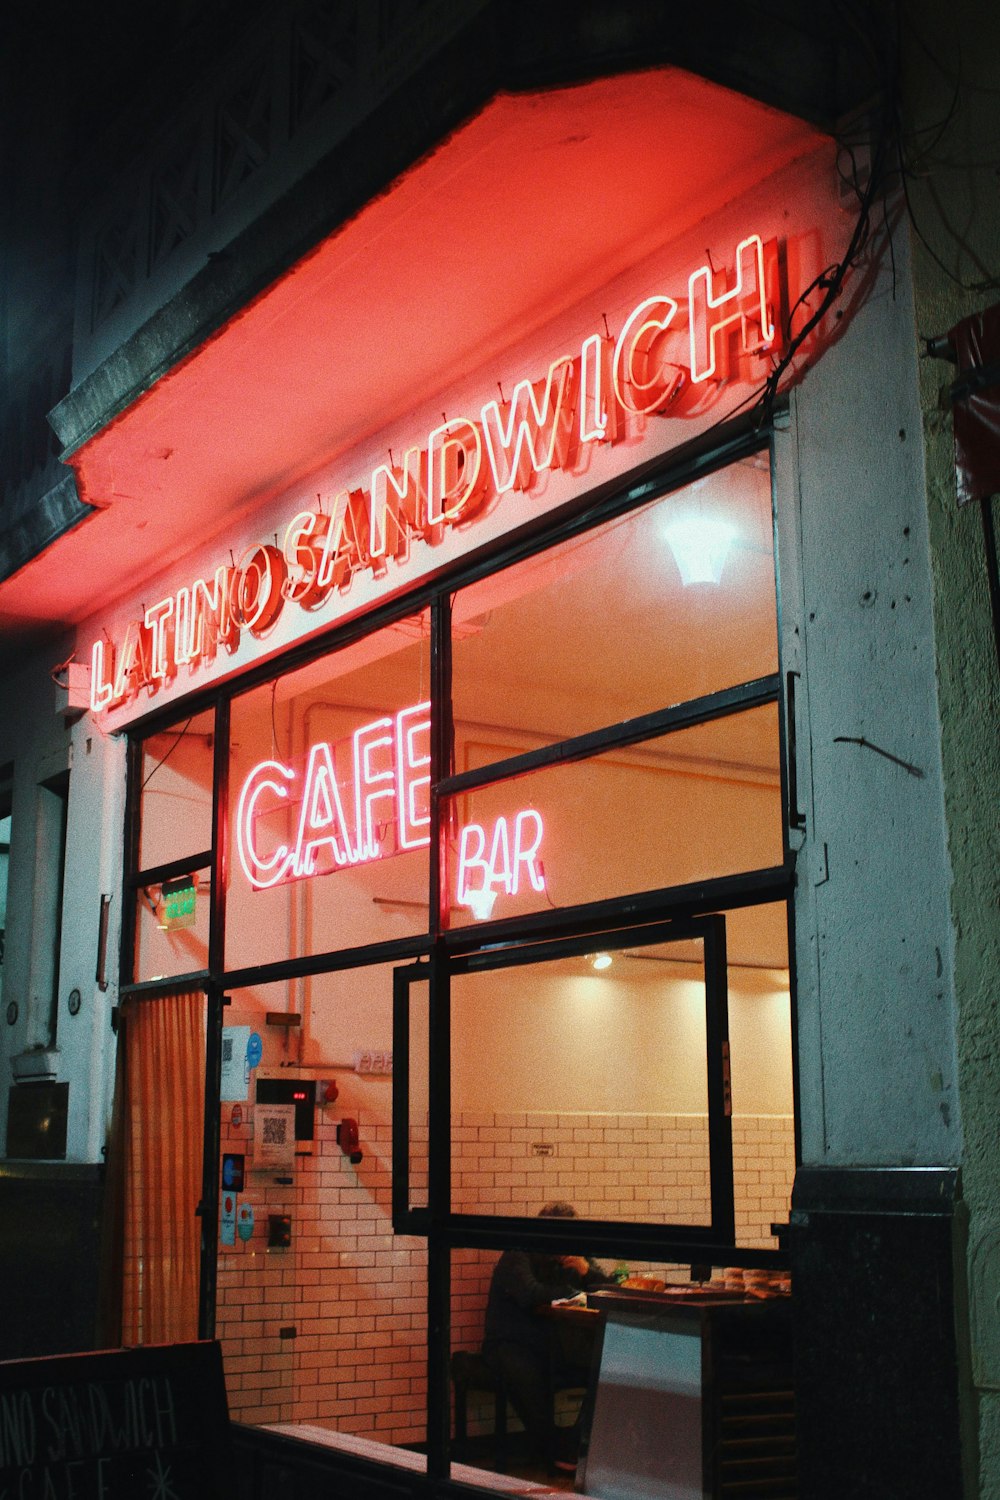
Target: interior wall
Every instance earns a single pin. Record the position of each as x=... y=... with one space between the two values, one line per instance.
x=530 y=1040
x=331 y=1329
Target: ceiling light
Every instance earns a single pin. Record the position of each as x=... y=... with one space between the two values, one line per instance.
x=601 y=960
x=700 y=546
x=481 y=903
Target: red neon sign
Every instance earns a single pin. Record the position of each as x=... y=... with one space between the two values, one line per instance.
x=744 y=303
x=388 y=792
x=463 y=467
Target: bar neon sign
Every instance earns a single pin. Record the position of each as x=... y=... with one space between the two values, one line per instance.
x=663 y=362
x=513 y=852
x=388 y=793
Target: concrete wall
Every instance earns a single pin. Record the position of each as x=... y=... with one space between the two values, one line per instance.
x=51 y=1210
x=953 y=192
x=42 y=746
x=874 y=936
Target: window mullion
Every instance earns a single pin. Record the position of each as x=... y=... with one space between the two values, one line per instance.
x=753 y=694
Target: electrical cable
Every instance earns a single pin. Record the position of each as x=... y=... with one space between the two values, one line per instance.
x=57 y=673
x=831 y=280
x=916 y=161
x=166 y=756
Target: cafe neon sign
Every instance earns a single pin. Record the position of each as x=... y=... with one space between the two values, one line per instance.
x=664 y=360
x=388 y=795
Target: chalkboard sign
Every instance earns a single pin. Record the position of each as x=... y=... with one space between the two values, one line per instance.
x=129 y=1424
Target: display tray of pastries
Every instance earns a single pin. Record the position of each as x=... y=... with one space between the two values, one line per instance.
x=735 y=1284
x=671 y=1291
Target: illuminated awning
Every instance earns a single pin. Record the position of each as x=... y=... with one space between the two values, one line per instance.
x=537 y=201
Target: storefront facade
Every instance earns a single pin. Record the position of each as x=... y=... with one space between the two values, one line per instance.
x=519 y=778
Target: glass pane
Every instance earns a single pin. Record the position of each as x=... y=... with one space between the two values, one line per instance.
x=321 y=1309
x=691 y=805
x=532 y=649
x=176 y=780
x=544 y=1356
x=760 y=1039
x=329 y=819
x=172 y=922
x=583 y=1079
x=714 y=1375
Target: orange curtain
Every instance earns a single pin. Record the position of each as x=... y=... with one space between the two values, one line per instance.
x=164 y=1117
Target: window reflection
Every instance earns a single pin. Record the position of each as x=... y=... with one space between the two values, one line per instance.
x=172 y=926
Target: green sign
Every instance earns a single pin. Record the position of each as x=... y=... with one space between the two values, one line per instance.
x=179 y=899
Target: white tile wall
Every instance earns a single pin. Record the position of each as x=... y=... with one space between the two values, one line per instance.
x=356 y=1295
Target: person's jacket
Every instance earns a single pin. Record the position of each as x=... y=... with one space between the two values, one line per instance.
x=522 y=1282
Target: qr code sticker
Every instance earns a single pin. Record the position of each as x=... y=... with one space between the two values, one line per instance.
x=227 y=1049
x=275 y=1130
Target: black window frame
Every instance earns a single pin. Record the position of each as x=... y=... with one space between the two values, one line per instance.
x=441 y=950
x=411 y=1219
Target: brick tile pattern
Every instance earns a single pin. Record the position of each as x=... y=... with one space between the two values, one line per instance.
x=355 y=1295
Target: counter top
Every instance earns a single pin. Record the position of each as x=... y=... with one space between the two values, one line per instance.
x=685 y=1302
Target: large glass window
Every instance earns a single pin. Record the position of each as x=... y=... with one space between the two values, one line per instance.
x=615 y=708
x=760 y=1043
x=635 y=1388
x=176 y=780
x=322 y=1311
x=660 y=606
x=594 y=1086
x=696 y=804
x=498 y=897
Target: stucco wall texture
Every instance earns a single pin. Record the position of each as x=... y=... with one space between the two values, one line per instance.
x=951 y=81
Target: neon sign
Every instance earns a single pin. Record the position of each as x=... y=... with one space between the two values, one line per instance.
x=388 y=793
x=389 y=800
x=464 y=467
x=502 y=868
x=745 y=303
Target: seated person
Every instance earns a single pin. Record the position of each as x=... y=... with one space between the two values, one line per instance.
x=522 y=1347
